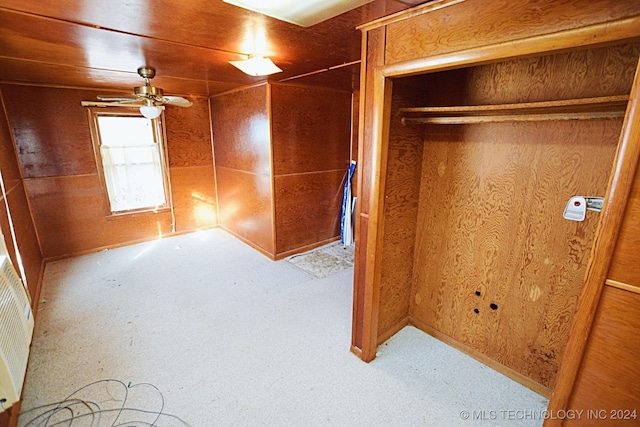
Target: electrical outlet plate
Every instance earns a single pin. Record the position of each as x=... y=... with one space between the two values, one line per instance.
x=576 y=209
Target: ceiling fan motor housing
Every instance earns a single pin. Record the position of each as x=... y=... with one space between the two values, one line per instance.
x=148 y=91
x=150 y=95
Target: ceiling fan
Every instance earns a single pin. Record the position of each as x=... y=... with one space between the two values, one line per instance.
x=150 y=97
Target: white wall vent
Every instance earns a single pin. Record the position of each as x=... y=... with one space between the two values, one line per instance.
x=16 y=330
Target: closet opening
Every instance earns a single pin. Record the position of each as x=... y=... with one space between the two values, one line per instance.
x=478 y=165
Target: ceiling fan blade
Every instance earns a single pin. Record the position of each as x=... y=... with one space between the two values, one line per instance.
x=111 y=104
x=132 y=103
x=123 y=98
x=146 y=95
x=178 y=101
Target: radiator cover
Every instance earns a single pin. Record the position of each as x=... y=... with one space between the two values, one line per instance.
x=16 y=331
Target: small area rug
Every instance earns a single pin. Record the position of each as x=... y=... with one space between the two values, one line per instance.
x=326 y=260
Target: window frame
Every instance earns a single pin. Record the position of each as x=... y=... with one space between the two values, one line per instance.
x=159 y=136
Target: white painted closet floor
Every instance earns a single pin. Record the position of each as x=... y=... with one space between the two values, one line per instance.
x=209 y=332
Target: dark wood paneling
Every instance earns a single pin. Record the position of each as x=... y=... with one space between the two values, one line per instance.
x=69 y=213
x=189 y=135
x=625 y=265
x=6 y=231
x=609 y=382
x=8 y=160
x=343 y=78
x=38 y=39
x=308 y=208
x=194 y=197
x=456 y=28
x=311 y=132
x=51 y=130
x=246 y=206
x=79 y=43
x=242 y=151
x=25 y=236
x=311 y=129
x=191 y=23
x=109 y=81
x=241 y=135
x=52 y=134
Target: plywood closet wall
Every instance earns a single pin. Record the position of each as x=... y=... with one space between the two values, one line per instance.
x=460 y=227
x=495 y=268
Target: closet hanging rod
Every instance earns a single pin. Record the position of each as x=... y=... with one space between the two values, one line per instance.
x=461 y=120
x=569 y=109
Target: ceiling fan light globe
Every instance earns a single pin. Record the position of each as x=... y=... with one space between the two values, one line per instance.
x=150 y=111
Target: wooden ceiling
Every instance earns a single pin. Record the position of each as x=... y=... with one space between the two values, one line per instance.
x=100 y=44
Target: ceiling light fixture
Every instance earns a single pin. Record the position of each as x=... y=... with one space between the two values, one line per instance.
x=256 y=65
x=151 y=111
x=303 y=13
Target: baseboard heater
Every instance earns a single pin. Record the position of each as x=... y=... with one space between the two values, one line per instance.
x=16 y=331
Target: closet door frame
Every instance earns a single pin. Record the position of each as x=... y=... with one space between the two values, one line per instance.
x=379 y=83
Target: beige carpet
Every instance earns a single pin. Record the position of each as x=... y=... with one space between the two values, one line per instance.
x=202 y=330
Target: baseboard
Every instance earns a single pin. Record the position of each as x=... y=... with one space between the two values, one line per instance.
x=497 y=366
x=127 y=243
x=305 y=248
x=15 y=412
x=393 y=330
x=248 y=242
x=36 y=298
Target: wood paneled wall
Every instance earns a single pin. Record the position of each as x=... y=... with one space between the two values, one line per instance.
x=486 y=261
x=242 y=146
x=625 y=265
x=25 y=232
x=281 y=158
x=497 y=267
x=472 y=24
x=53 y=141
x=405 y=152
x=607 y=386
x=190 y=155
x=311 y=134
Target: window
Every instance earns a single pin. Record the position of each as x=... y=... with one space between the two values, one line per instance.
x=130 y=155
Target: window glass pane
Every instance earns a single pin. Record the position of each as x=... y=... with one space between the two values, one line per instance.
x=131 y=162
x=125 y=131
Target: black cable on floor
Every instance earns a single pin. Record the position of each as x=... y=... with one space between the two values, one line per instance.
x=70 y=411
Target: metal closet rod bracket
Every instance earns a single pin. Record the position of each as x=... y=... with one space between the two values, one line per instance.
x=594 y=203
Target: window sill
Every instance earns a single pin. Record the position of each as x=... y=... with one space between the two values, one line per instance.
x=137 y=212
